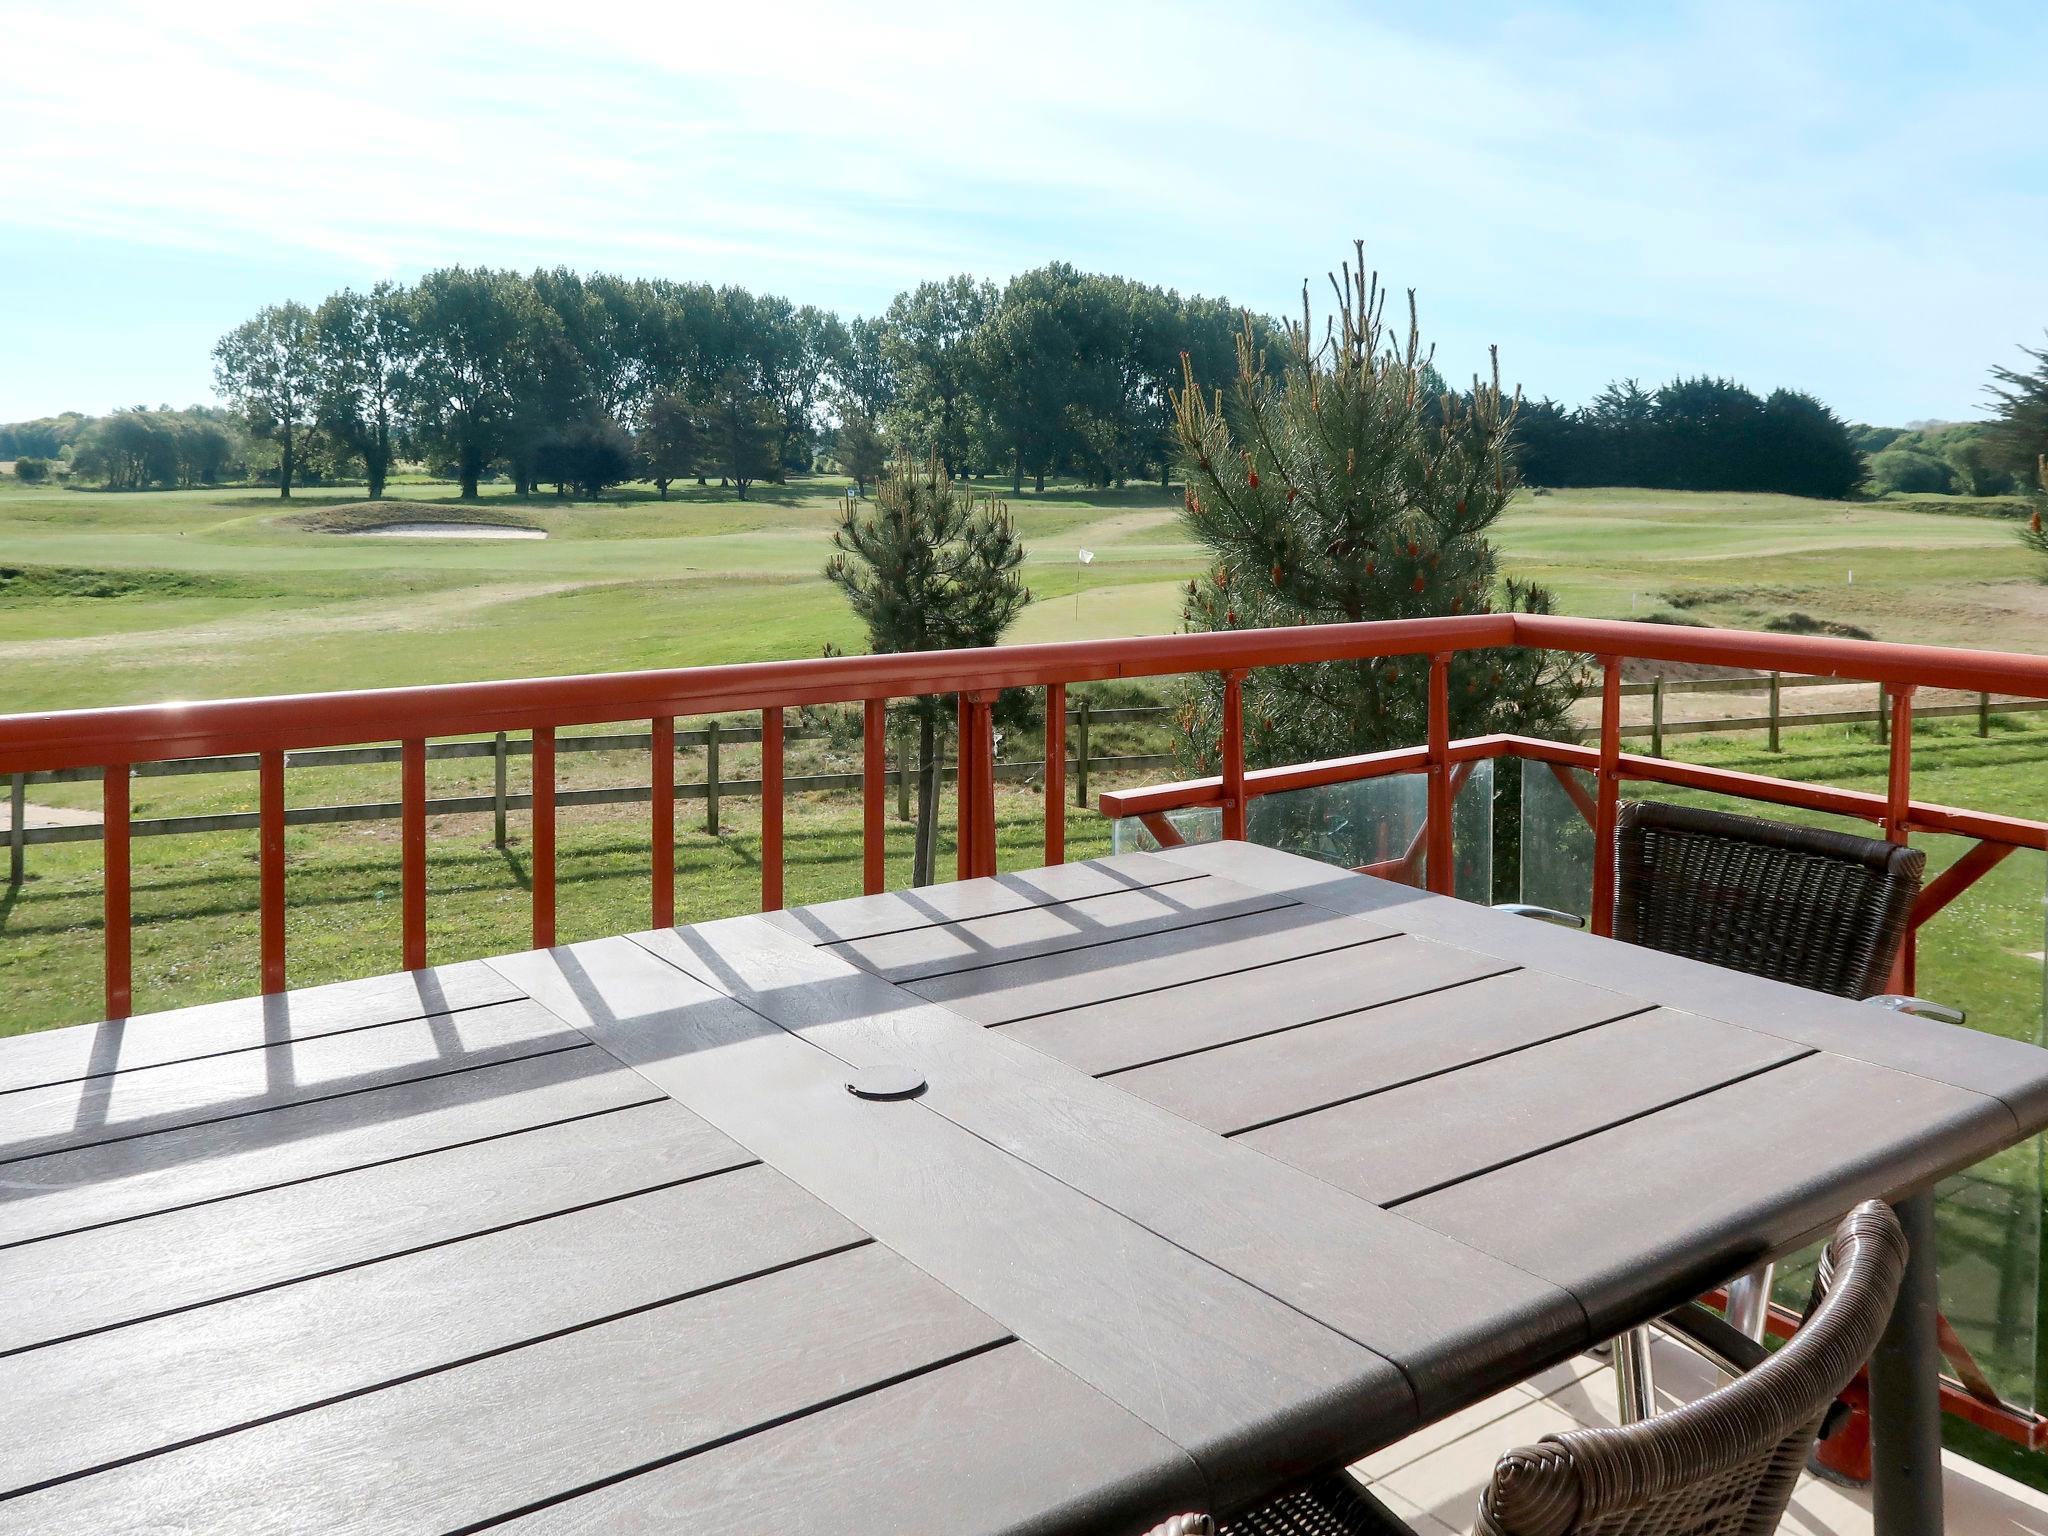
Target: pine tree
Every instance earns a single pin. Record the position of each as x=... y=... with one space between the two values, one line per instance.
x=928 y=567
x=2035 y=534
x=1348 y=490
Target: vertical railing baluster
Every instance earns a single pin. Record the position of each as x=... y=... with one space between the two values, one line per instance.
x=1441 y=873
x=663 y=747
x=963 y=794
x=1898 y=811
x=771 y=810
x=874 y=791
x=1607 y=793
x=412 y=852
x=17 y=829
x=114 y=865
x=1232 y=750
x=543 y=837
x=1056 y=773
x=270 y=866
x=985 y=784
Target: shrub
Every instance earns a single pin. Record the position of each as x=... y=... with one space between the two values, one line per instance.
x=31 y=471
x=1909 y=472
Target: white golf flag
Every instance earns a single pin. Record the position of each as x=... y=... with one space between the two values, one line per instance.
x=1087 y=557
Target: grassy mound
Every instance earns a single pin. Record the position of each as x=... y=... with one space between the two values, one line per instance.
x=362 y=516
x=45 y=583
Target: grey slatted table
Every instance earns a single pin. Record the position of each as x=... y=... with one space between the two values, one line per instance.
x=1226 y=1166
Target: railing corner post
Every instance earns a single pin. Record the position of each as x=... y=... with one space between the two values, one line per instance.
x=1607 y=795
x=1439 y=862
x=1232 y=751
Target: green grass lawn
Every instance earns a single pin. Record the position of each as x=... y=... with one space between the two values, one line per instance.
x=120 y=598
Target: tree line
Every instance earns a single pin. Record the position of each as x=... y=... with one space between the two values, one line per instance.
x=1700 y=434
x=571 y=380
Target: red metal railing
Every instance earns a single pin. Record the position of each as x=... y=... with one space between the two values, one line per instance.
x=113 y=740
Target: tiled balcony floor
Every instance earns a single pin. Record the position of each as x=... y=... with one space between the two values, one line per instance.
x=1433 y=1479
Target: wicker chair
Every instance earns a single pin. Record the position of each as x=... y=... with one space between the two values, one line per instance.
x=1818 y=909
x=1724 y=1465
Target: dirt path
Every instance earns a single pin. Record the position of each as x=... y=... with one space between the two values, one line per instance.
x=34 y=816
x=413 y=613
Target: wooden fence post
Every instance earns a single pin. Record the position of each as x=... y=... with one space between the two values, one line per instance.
x=498 y=793
x=905 y=747
x=1657 y=715
x=1884 y=705
x=17 y=827
x=1983 y=714
x=1774 y=711
x=711 y=777
x=1081 y=755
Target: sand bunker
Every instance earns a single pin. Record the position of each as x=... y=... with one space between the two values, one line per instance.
x=446 y=531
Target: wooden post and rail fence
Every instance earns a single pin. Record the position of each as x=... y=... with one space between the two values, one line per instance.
x=714 y=788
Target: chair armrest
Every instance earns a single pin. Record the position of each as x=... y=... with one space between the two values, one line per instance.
x=1721 y=1344
x=1919 y=1007
x=1540 y=914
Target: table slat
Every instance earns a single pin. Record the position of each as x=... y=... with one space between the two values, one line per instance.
x=2009 y=1070
x=1394 y=1145
x=1273 y=1076
x=119 y=1274
x=1005 y=1441
x=1028 y=988
x=134 y=1391
x=1009 y=937
x=1679 y=1200
x=120 y=1180
x=864 y=917
x=448 y=1449
x=245 y=1023
x=1216 y=1010
x=146 y=1100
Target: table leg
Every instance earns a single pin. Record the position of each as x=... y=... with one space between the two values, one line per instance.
x=1905 y=1395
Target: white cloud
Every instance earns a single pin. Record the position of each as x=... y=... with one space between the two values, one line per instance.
x=1729 y=190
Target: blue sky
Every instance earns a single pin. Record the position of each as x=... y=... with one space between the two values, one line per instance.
x=1846 y=198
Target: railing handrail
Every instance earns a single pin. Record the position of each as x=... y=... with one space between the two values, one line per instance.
x=153 y=732
x=149 y=732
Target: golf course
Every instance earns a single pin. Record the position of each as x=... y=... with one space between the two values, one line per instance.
x=110 y=598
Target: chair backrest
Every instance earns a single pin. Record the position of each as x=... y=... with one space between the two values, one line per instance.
x=1816 y=908
x=1725 y=1464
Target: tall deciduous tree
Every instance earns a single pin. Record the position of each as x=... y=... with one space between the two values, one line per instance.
x=927 y=567
x=481 y=338
x=1343 y=493
x=739 y=428
x=670 y=445
x=930 y=346
x=586 y=456
x=362 y=347
x=860 y=449
x=867 y=383
x=267 y=367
